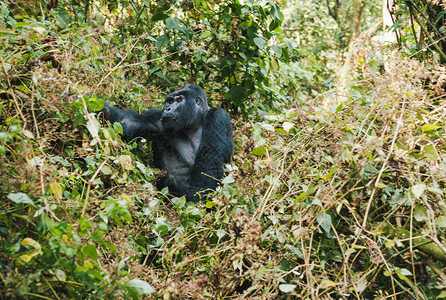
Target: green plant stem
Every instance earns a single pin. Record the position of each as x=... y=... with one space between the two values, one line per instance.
x=38 y=296
x=90 y=182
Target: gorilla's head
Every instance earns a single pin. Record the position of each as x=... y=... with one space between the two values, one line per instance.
x=184 y=109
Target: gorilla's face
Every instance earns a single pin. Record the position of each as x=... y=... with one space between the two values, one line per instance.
x=184 y=109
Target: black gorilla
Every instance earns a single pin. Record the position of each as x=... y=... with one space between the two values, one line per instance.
x=191 y=141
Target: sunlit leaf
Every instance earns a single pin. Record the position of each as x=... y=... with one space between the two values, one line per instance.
x=430 y=152
x=220 y=233
x=260 y=42
x=118 y=128
x=287 y=288
x=228 y=179
x=418 y=190
x=138 y=288
x=93 y=127
x=324 y=221
x=403 y=272
x=420 y=213
x=28 y=134
x=37 y=249
x=206 y=34
x=287 y=126
x=20 y=198
x=31 y=242
x=429 y=127
x=56 y=190
x=179 y=202
x=326 y=283
x=106 y=170
x=267 y=126
x=277 y=50
x=95 y=103
x=441 y=221
x=361 y=284
x=126 y=162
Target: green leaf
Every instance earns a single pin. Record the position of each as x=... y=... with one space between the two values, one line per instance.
x=210 y=204
x=237 y=94
x=172 y=23
x=442 y=295
x=260 y=42
x=430 y=127
x=118 y=128
x=5 y=136
x=326 y=283
x=161 y=41
x=228 y=191
x=162 y=76
x=93 y=127
x=274 y=64
x=324 y=221
x=274 y=24
x=37 y=249
x=110 y=246
x=206 y=34
x=430 y=153
x=90 y=251
x=162 y=229
x=106 y=170
x=28 y=134
x=404 y=272
x=192 y=210
x=56 y=190
x=126 y=162
x=104 y=40
x=276 y=13
x=20 y=198
x=259 y=151
x=95 y=103
x=179 y=202
x=228 y=180
x=137 y=288
x=369 y=171
x=267 y=126
x=441 y=221
x=418 y=190
x=277 y=50
x=21 y=24
x=159 y=17
x=420 y=213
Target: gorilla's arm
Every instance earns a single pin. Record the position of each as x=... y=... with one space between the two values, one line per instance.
x=215 y=149
x=146 y=125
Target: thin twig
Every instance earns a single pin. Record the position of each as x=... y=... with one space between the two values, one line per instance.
x=90 y=182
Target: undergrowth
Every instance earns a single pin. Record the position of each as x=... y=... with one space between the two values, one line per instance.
x=338 y=196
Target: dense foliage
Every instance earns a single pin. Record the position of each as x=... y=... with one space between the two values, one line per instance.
x=336 y=189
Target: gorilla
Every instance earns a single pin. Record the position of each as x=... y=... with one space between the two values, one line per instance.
x=190 y=141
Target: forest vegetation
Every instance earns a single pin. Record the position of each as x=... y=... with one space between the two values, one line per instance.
x=336 y=189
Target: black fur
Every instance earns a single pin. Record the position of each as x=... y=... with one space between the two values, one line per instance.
x=191 y=141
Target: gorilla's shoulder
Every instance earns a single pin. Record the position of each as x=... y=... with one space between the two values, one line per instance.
x=218 y=114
